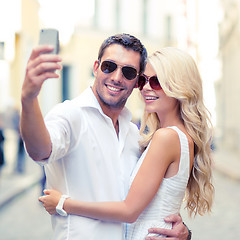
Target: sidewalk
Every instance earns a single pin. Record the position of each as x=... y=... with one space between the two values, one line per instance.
x=13 y=184
x=227 y=163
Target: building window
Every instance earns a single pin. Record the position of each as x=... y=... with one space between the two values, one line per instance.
x=2 y=50
x=145 y=6
x=65 y=83
x=117 y=15
x=168 y=25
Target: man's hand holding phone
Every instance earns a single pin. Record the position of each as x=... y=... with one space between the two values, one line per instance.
x=42 y=64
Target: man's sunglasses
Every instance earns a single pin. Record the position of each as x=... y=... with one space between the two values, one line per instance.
x=153 y=81
x=128 y=72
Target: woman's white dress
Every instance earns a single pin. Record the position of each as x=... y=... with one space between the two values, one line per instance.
x=168 y=198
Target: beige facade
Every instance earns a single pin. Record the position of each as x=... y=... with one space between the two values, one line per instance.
x=24 y=39
x=155 y=22
x=81 y=51
x=228 y=87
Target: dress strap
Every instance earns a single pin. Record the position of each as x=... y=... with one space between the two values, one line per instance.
x=184 y=158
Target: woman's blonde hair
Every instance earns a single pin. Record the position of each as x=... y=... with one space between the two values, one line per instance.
x=179 y=77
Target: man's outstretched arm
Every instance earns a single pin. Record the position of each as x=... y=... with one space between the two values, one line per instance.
x=40 y=67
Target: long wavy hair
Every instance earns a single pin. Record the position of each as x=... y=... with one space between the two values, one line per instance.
x=179 y=77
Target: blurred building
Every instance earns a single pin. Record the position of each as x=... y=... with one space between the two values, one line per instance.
x=83 y=25
x=156 y=23
x=19 y=26
x=228 y=86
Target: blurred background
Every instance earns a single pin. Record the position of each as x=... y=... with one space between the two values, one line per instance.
x=208 y=30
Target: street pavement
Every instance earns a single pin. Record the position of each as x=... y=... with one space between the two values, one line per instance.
x=12 y=183
x=222 y=223
x=25 y=219
x=22 y=217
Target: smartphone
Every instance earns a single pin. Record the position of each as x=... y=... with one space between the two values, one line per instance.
x=49 y=36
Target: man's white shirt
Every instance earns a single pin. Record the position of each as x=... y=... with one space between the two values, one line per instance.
x=89 y=162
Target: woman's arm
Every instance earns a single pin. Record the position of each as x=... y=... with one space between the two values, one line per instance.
x=163 y=150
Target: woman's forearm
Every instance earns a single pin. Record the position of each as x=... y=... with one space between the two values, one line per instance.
x=106 y=211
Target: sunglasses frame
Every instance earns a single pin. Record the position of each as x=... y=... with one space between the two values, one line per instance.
x=117 y=66
x=150 y=79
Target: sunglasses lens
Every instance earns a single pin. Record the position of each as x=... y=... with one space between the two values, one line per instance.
x=154 y=83
x=108 y=67
x=141 y=82
x=129 y=72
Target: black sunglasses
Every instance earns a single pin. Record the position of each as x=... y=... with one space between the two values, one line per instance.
x=153 y=81
x=128 y=72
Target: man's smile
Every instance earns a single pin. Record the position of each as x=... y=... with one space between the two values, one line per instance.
x=113 y=88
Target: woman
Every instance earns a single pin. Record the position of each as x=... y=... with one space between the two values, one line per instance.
x=176 y=159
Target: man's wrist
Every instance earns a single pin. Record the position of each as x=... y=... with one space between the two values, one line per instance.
x=189 y=237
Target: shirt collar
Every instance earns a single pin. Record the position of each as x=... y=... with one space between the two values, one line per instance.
x=88 y=99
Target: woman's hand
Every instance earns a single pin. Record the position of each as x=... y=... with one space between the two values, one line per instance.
x=50 y=200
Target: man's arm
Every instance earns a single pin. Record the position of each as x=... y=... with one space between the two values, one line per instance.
x=178 y=232
x=40 y=67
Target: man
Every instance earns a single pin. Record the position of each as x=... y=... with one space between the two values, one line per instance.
x=88 y=145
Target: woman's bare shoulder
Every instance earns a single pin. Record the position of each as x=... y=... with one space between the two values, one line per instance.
x=166 y=136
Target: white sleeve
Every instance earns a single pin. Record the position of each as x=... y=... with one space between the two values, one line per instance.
x=58 y=123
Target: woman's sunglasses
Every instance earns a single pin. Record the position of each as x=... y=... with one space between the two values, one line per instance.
x=153 y=81
x=128 y=72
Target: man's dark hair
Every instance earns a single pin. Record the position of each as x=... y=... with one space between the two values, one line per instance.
x=129 y=42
